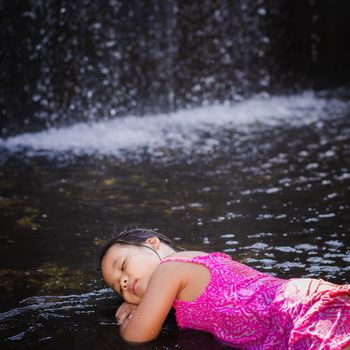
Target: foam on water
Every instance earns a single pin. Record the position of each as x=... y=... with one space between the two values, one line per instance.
x=180 y=130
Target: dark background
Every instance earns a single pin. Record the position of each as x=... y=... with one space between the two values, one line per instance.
x=69 y=61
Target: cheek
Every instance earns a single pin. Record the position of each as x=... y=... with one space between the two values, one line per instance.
x=134 y=300
x=107 y=275
x=143 y=267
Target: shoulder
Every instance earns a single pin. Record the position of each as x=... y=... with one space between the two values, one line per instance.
x=174 y=269
x=180 y=264
x=188 y=277
x=189 y=254
x=179 y=272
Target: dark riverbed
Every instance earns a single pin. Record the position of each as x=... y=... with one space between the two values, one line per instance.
x=266 y=181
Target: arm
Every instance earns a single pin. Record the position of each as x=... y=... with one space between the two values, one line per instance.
x=148 y=318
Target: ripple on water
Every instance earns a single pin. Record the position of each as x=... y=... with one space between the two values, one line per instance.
x=306 y=247
x=334 y=243
x=260 y=234
x=258 y=246
x=342 y=177
x=228 y=235
x=45 y=304
x=286 y=249
x=321 y=268
x=288 y=265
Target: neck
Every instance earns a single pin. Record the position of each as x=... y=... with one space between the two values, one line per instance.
x=165 y=250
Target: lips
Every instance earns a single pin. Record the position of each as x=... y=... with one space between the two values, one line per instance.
x=133 y=287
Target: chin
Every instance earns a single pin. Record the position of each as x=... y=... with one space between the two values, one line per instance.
x=136 y=301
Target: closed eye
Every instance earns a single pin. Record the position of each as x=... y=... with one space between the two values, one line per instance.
x=122 y=268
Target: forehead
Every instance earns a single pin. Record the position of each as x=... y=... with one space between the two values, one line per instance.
x=118 y=250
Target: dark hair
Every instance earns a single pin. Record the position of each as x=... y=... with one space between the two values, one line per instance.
x=137 y=237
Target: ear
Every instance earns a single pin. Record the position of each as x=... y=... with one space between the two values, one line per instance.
x=154 y=242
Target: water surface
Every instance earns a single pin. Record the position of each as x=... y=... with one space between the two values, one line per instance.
x=265 y=180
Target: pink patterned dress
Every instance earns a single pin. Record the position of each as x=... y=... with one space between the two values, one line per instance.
x=256 y=311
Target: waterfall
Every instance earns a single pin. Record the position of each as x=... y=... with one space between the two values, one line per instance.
x=65 y=62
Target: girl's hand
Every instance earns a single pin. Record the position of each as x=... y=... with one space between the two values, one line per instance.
x=124 y=312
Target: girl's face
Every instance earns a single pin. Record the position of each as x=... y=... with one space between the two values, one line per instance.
x=127 y=269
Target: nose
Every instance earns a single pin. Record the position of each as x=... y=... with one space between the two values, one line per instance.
x=124 y=282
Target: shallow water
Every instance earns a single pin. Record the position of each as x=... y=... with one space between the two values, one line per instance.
x=266 y=180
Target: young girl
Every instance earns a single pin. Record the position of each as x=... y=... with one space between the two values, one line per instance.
x=213 y=293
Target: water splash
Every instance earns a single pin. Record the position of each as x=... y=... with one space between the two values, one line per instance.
x=186 y=130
